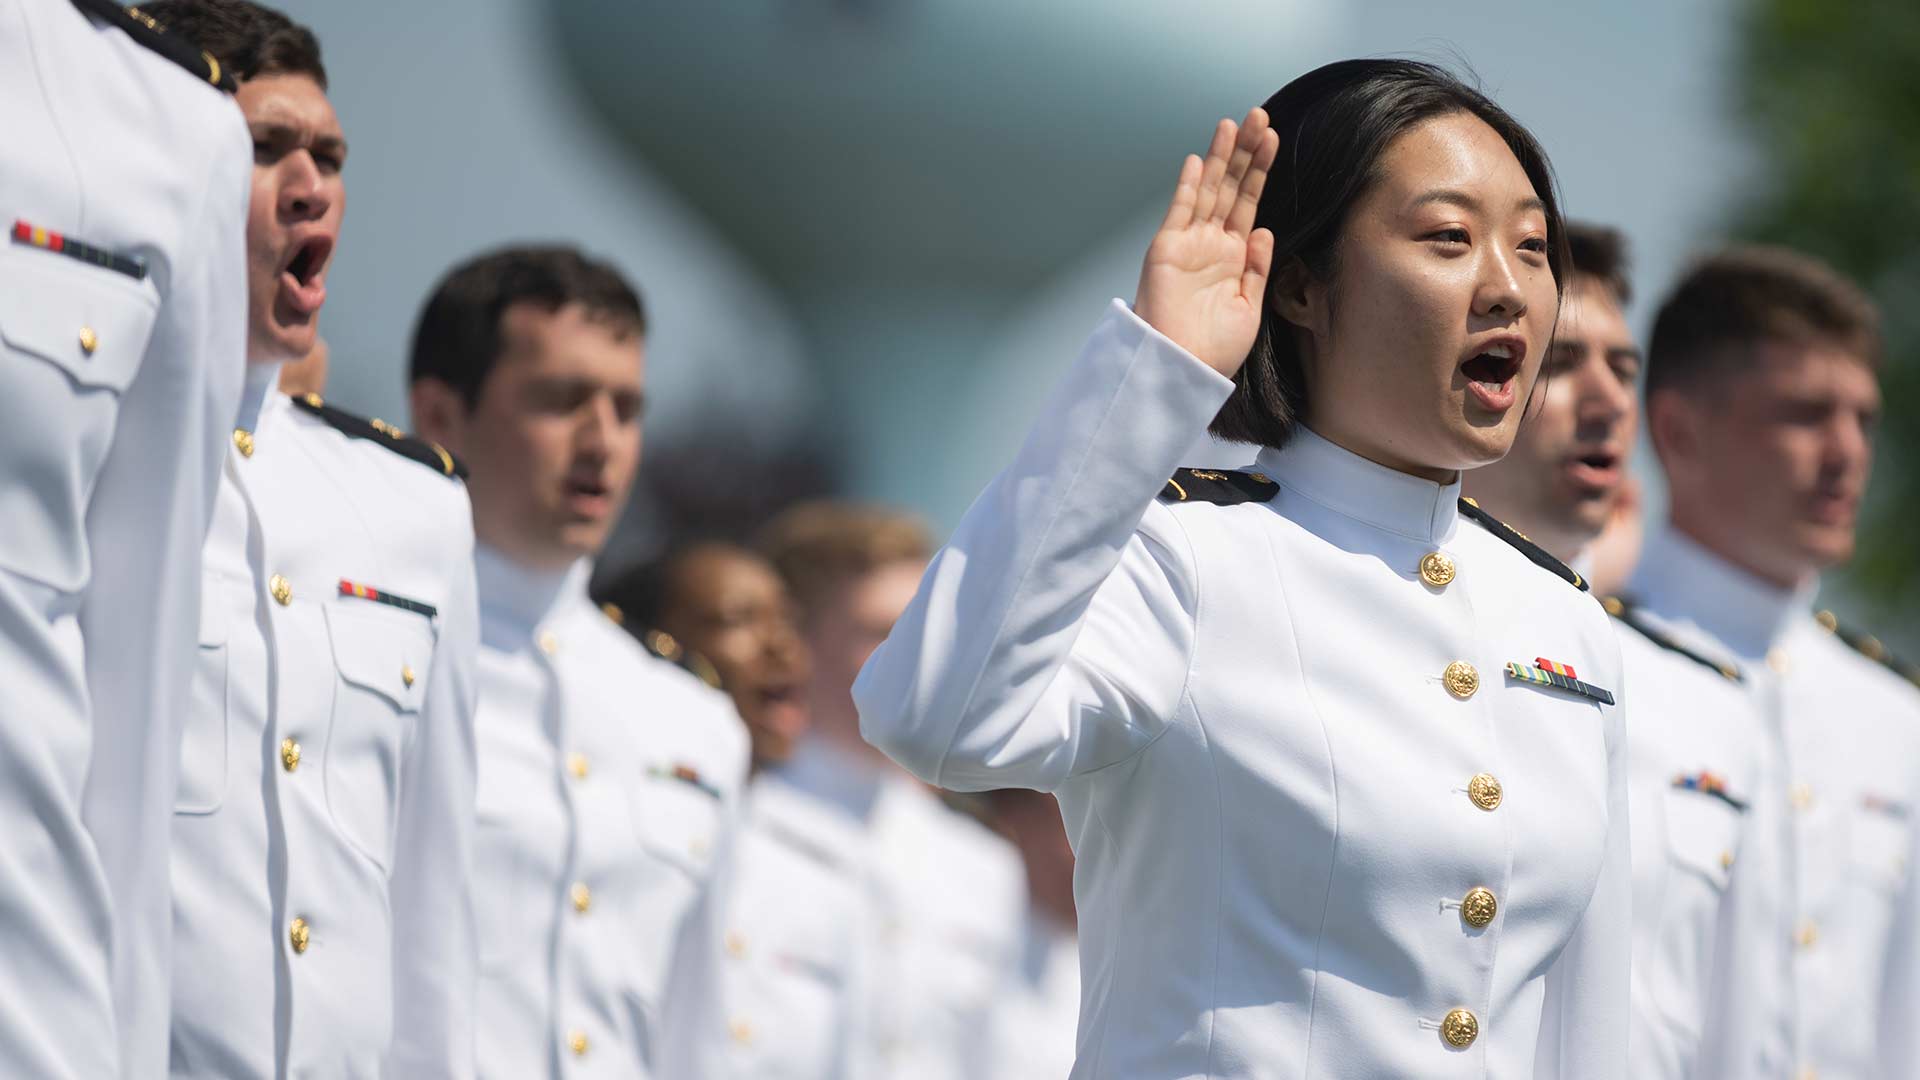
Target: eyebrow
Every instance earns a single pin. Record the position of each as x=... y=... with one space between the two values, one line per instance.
x=1466 y=201
x=283 y=133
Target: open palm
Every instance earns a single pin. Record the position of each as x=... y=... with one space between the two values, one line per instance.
x=1205 y=273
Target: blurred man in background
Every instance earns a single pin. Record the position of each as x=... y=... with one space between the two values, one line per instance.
x=609 y=778
x=945 y=895
x=323 y=826
x=1707 y=864
x=123 y=179
x=1762 y=399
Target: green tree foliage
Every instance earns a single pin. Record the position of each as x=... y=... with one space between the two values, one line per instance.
x=1831 y=92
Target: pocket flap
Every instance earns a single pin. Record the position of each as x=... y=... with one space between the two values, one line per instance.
x=91 y=323
x=389 y=654
x=1702 y=834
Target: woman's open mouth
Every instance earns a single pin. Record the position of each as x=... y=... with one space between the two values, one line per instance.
x=1490 y=374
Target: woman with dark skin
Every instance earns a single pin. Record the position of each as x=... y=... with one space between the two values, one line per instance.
x=1340 y=756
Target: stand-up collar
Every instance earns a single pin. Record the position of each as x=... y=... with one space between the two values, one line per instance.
x=261 y=387
x=1346 y=483
x=830 y=773
x=515 y=600
x=1683 y=582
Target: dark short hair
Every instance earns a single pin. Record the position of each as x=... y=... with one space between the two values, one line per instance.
x=1335 y=123
x=646 y=594
x=249 y=40
x=1599 y=254
x=457 y=338
x=1736 y=299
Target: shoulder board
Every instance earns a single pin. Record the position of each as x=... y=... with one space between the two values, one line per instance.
x=1538 y=555
x=431 y=454
x=1868 y=646
x=147 y=31
x=1622 y=609
x=1220 y=486
x=667 y=647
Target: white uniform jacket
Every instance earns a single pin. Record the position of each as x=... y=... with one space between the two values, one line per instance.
x=1709 y=964
x=323 y=832
x=1848 y=730
x=609 y=796
x=796 y=921
x=1320 y=831
x=117 y=393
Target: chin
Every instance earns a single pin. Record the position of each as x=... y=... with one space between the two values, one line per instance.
x=1474 y=448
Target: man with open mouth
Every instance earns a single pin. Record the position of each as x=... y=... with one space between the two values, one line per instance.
x=1706 y=855
x=323 y=822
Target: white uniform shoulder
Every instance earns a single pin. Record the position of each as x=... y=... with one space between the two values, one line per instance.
x=363 y=433
x=700 y=712
x=1898 y=676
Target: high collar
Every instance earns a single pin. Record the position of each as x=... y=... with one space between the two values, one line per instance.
x=1346 y=483
x=837 y=776
x=257 y=394
x=516 y=600
x=1681 y=581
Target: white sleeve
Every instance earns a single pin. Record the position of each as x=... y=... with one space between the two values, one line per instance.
x=435 y=962
x=1053 y=633
x=1585 y=1015
x=150 y=509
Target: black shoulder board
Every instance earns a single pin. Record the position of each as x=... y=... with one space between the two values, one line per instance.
x=1537 y=554
x=144 y=29
x=668 y=648
x=432 y=455
x=1219 y=486
x=1622 y=609
x=1868 y=646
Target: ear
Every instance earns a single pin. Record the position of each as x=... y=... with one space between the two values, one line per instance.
x=1674 y=424
x=439 y=413
x=1298 y=298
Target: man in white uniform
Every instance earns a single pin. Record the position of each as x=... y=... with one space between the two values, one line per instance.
x=123 y=188
x=1706 y=854
x=944 y=896
x=1762 y=399
x=323 y=827
x=609 y=778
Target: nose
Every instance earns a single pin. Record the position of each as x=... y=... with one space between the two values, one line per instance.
x=1849 y=444
x=1605 y=398
x=1498 y=294
x=600 y=419
x=303 y=190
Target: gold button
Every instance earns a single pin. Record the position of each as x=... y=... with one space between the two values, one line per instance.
x=289 y=754
x=548 y=643
x=1807 y=935
x=243 y=442
x=577 y=765
x=1808 y=1073
x=406 y=674
x=299 y=935
x=741 y=1031
x=1479 y=906
x=1778 y=661
x=1436 y=569
x=698 y=847
x=89 y=340
x=1801 y=795
x=577 y=1042
x=582 y=897
x=1484 y=790
x=1460 y=1028
x=281 y=589
x=1726 y=860
x=736 y=945
x=1461 y=679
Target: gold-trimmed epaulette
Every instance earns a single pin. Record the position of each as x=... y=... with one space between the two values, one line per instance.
x=1868 y=646
x=1223 y=487
x=1538 y=555
x=667 y=647
x=431 y=454
x=1622 y=609
x=145 y=30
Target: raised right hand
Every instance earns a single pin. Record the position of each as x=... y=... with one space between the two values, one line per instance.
x=1205 y=273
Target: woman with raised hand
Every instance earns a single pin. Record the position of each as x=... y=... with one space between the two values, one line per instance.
x=1340 y=755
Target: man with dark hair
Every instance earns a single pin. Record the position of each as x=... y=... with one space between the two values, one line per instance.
x=1707 y=860
x=947 y=896
x=609 y=778
x=1762 y=399
x=123 y=181
x=323 y=820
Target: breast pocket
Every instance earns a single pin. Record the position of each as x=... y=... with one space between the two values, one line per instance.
x=203 y=743
x=72 y=337
x=1878 y=844
x=383 y=659
x=677 y=814
x=1703 y=833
